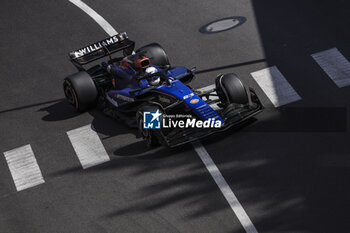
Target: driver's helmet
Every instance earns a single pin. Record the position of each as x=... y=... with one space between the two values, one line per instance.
x=154 y=80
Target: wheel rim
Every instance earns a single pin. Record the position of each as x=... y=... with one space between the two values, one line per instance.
x=70 y=95
x=144 y=132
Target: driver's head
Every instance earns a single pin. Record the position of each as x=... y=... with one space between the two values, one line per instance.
x=154 y=80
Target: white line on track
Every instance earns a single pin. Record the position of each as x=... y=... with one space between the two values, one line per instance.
x=203 y=154
x=98 y=18
x=225 y=188
x=275 y=86
x=88 y=146
x=24 y=167
x=335 y=65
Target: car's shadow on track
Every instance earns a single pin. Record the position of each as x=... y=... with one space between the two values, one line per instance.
x=59 y=111
x=101 y=123
x=126 y=140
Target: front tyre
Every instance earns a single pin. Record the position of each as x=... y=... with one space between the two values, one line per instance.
x=230 y=89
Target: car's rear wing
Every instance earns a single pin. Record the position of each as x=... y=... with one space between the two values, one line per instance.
x=101 y=49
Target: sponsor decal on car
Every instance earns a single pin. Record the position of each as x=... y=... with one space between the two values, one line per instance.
x=188 y=96
x=96 y=46
x=194 y=101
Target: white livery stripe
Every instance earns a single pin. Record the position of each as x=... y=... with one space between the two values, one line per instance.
x=335 y=65
x=24 y=167
x=88 y=146
x=225 y=188
x=98 y=18
x=275 y=86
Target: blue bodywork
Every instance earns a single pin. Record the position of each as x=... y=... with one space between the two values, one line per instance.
x=177 y=89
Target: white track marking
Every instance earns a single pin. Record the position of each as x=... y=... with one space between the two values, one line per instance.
x=88 y=146
x=225 y=188
x=98 y=18
x=335 y=65
x=24 y=167
x=275 y=86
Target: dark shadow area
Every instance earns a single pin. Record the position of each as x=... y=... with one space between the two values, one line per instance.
x=59 y=111
x=230 y=66
x=291 y=188
x=298 y=192
x=110 y=127
x=195 y=175
x=302 y=119
x=101 y=123
x=31 y=105
x=138 y=149
x=70 y=170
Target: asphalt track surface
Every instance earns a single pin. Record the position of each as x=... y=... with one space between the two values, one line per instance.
x=289 y=168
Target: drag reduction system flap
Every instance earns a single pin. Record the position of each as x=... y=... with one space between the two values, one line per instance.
x=101 y=49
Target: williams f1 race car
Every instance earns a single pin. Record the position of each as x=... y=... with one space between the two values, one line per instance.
x=136 y=83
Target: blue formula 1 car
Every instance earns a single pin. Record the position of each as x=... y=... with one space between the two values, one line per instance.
x=143 y=82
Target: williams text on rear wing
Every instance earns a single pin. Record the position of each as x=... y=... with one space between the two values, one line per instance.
x=101 y=49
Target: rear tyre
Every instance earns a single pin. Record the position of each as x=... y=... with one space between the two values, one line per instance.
x=156 y=53
x=150 y=136
x=80 y=91
x=230 y=89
